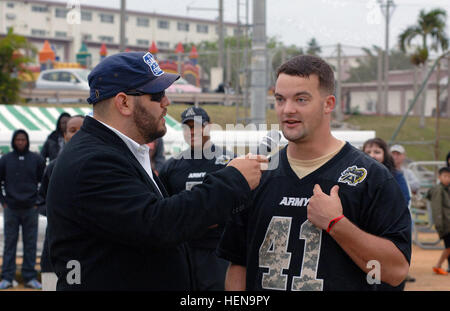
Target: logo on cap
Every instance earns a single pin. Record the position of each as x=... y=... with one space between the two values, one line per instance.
x=151 y=62
x=190 y=112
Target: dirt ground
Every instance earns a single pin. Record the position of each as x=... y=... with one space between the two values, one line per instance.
x=421 y=263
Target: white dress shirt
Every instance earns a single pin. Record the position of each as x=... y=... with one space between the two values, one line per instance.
x=141 y=152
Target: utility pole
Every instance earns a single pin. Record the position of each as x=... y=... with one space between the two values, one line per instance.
x=338 y=107
x=386 y=9
x=238 y=48
x=386 y=60
x=228 y=74
x=123 y=4
x=438 y=112
x=221 y=37
x=242 y=70
x=380 y=100
x=448 y=85
x=238 y=59
x=259 y=64
x=246 y=70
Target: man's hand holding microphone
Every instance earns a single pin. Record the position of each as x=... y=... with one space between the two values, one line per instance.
x=250 y=167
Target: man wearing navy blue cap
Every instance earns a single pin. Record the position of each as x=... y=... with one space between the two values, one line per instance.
x=193 y=113
x=183 y=172
x=111 y=223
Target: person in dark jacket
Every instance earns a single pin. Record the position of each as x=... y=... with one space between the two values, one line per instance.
x=439 y=197
x=20 y=172
x=111 y=224
x=48 y=276
x=55 y=140
x=183 y=172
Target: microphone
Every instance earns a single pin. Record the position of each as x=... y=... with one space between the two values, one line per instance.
x=269 y=143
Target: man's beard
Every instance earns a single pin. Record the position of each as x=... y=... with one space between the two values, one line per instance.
x=147 y=124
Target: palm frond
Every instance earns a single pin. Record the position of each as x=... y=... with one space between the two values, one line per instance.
x=405 y=38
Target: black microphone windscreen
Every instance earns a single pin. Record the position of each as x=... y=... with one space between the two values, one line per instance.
x=269 y=142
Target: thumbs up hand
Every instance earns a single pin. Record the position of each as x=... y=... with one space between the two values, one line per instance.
x=322 y=208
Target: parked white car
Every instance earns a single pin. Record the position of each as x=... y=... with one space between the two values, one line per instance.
x=63 y=79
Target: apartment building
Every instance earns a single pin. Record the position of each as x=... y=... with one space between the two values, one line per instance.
x=67 y=26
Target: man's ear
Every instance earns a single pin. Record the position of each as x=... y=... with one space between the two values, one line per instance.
x=330 y=103
x=123 y=104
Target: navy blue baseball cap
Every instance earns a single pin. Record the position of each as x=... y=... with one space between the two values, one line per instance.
x=196 y=114
x=127 y=71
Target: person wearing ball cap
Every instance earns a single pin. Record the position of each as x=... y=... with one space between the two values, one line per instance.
x=183 y=172
x=111 y=224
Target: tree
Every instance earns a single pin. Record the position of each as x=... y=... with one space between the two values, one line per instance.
x=12 y=64
x=366 y=69
x=313 y=47
x=280 y=53
x=209 y=55
x=368 y=65
x=431 y=26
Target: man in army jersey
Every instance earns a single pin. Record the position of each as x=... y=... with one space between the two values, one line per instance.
x=183 y=172
x=328 y=217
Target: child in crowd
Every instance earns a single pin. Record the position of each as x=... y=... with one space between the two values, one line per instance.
x=440 y=206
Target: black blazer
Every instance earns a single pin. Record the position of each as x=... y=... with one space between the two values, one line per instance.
x=105 y=212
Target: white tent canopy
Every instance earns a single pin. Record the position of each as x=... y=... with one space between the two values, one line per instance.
x=40 y=121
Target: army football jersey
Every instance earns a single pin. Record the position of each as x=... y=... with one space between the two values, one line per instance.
x=284 y=251
x=185 y=170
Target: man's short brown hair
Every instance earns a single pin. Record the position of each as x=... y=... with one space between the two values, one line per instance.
x=306 y=65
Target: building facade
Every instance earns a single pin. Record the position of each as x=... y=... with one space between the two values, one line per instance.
x=363 y=97
x=66 y=27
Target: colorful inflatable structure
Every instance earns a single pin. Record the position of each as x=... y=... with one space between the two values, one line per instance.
x=84 y=58
x=189 y=70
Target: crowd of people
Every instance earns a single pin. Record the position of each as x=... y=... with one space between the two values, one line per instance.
x=206 y=219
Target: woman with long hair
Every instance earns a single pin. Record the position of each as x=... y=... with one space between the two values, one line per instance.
x=378 y=149
x=55 y=140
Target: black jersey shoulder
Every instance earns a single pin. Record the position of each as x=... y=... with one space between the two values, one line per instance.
x=350 y=167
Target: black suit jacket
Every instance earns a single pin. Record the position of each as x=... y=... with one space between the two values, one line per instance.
x=109 y=228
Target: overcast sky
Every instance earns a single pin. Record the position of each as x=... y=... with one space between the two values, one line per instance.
x=358 y=23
